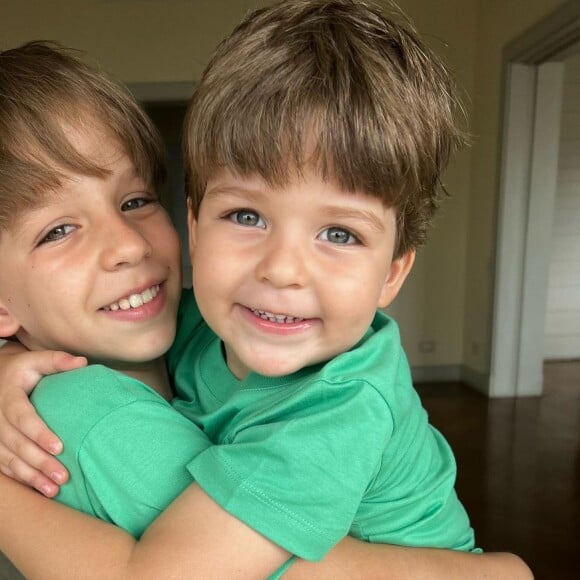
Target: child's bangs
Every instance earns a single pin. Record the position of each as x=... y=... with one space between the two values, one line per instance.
x=279 y=139
x=139 y=138
x=35 y=154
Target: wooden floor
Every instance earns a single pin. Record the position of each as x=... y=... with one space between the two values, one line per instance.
x=519 y=469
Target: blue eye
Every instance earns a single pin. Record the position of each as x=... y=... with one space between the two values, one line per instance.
x=57 y=233
x=339 y=236
x=247 y=217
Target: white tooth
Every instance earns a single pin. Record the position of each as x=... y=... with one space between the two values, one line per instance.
x=135 y=300
x=147 y=296
x=278 y=318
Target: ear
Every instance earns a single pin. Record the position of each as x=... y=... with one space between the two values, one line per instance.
x=398 y=272
x=9 y=326
x=192 y=228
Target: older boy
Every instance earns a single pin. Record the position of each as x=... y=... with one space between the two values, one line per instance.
x=295 y=241
x=90 y=263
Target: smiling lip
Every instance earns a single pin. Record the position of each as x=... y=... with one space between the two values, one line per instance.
x=274 y=323
x=138 y=306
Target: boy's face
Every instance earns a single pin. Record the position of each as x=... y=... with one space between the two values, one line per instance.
x=291 y=277
x=94 y=269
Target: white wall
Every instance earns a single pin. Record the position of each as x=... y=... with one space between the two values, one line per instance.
x=562 y=338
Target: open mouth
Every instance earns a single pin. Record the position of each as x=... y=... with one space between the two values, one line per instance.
x=278 y=318
x=134 y=300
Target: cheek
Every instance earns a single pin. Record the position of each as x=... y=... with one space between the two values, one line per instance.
x=165 y=236
x=353 y=305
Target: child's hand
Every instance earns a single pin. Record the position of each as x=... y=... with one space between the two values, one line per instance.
x=27 y=445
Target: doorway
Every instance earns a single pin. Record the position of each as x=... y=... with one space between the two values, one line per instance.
x=533 y=84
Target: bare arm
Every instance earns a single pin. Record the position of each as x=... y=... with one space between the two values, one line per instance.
x=355 y=560
x=50 y=541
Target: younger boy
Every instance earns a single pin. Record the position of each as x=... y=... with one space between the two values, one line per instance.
x=314 y=146
x=315 y=143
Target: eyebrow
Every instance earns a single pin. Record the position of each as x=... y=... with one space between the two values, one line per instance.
x=337 y=213
x=222 y=190
x=368 y=217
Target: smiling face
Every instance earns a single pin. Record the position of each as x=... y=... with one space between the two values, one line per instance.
x=94 y=268
x=293 y=276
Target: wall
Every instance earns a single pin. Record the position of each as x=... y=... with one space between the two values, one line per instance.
x=167 y=41
x=562 y=338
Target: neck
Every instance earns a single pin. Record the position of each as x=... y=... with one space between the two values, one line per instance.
x=152 y=373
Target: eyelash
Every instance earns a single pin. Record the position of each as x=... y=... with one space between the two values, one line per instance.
x=142 y=200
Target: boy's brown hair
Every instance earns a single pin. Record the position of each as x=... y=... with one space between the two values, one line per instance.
x=332 y=82
x=45 y=88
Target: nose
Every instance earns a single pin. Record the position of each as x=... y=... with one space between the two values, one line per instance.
x=283 y=263
x=124 y=244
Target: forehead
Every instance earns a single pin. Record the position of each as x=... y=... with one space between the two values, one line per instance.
x=94 y=142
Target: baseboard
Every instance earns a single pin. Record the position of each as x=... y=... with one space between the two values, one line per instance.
x=436 y=374
x=450 y=374
x=475 y=379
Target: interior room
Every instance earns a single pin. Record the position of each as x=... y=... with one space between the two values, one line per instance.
x=490 y=316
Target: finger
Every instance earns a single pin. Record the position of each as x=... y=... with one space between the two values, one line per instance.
x=34 y=430
x=63 y=361
x=13 y=467
x=32 y=366
x=22 y=421
x=27 y=451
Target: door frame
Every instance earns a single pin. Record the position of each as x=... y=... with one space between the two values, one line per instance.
x=532 y=88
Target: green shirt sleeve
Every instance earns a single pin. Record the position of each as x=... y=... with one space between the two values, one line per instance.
x=299 y=477
x=126 y=448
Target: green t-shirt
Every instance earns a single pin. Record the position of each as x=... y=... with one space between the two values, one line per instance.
x=338 y=448
x=125 y=447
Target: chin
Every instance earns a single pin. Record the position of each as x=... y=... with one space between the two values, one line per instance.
x=269 y=370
